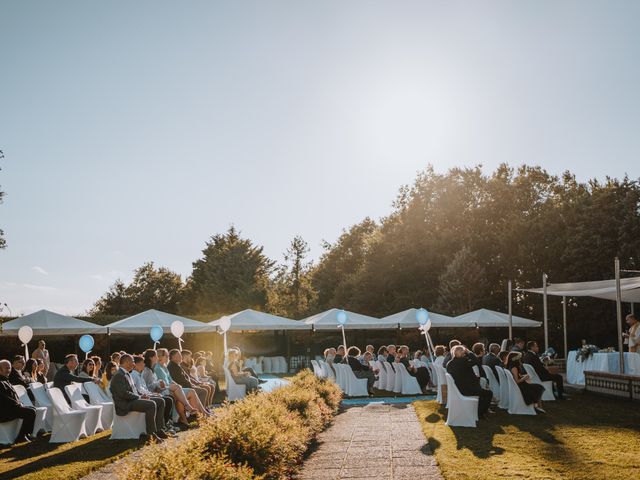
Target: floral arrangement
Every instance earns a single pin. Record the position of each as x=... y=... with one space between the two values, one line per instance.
x=585 y=351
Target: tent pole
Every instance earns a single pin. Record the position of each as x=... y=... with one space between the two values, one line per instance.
x=510 y=314
x=619 y=313
x=632 y=312
x=545 y=308
x=564 y=324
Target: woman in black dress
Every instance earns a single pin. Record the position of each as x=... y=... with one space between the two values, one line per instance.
x=531 y=392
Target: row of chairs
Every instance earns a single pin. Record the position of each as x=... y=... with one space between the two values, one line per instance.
x=267 y=364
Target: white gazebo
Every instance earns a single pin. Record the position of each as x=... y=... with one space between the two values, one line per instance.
x=252 y=320
x=407 y=319
x=142 y=323
x=490 y=318
x=355 y=321
x=46 y=323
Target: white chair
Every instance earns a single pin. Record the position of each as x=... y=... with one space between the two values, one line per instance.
x=516 y=402
x=328 y=371
x=391 y=376
x=397 y=383
x=267 y=366
x=129 y=426
x=434 y=374
x=92 y=423
x=504 y=387
x=476 y=370
x=68 y=425
x=494 y=385
x=410 y=385
x=258 y=367
x=316 y=369
x=41 y=412
x=381 y=383
x=341 y=380
x=281 y=363
x=356 y=387
x=9 y=431
x=43 y=400
x=98 y=397
x=463 y=411
x=547 y=395
x=234 y=390
x=442 y=380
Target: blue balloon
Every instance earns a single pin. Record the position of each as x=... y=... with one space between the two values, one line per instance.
x=341 y=316
x=156 y=333
x=86 y=343
x=422 y=316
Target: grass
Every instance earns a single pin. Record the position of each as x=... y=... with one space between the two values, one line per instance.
x=586 y=437
x=41 y=460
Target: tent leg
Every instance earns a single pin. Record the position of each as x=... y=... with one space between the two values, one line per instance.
x=564 y=324
x=546 y=311
x=288 y=343
x=510 y=313
x=619 y=313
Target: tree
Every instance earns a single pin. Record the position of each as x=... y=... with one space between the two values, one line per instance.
x=291 y=294
x=151 y=288
x=3 y=242
x=233 y=274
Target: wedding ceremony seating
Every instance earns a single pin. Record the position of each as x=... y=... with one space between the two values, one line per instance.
x=98 y=397
x=504 y=388
x=494 y=385
x=68 y=424
x=548 y=385
x=234 y=390
x=462 y=411
x=129 y=426
x=41 y=412
x=9 y=431
x=43 y=400
x=93 y=422
x=409 y=384
x=516 y=401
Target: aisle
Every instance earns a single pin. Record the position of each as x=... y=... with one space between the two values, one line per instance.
x=373 y=441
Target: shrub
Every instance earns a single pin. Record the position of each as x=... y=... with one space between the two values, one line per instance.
x=263 y=436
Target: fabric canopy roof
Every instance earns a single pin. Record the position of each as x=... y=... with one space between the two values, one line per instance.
x=254 y=320
x=44 y=322
x=489 y=318
x=407 y=319
x=630 y=289
x=329 y=320
x=142 y=323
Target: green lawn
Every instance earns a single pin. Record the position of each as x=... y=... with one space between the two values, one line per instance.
x=587 y=437
x=42 y=460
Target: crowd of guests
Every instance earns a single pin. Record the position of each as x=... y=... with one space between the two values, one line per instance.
x=155 y=382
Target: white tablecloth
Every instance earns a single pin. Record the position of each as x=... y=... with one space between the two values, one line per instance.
x=600 y=362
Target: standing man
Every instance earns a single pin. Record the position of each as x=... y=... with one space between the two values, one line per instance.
x=43 y=354
x=11 y=407
x=633 y=336
x=533 y=359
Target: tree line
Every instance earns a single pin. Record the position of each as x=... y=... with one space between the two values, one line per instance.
x=450 y=243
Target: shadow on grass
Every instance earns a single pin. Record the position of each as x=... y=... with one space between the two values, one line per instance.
x=44 y=454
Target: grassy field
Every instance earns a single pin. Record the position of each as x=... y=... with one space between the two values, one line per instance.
x=586 y=437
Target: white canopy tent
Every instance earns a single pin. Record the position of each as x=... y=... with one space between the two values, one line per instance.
x=355 y=321
x=142 y=323
x=489 y=318
x=46 y=323
x=407 y=319
x=260 y=321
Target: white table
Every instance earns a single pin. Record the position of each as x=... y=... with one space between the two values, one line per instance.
x=600 y=362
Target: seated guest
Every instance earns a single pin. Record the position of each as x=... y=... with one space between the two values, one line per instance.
x=461 y=369
x=161 y=370
x=41 y=353
x=329 y=355
x=632 y=337
x=97 y=369
x=239 y=376
x=65 y=376
x=190 y=369
x=251 y=371
x=449 y=355
x=531 y=392
x=478 y=353
x=382 y=354
x=10 y=406
x=109 y=371
x=491 y=359
x=30 y=371
x=532 y=358
x=41 y=375
x=339 y=354
x=518 y=345
x=360 y=370
x=210 y=367
x=126 y=399
x=421 y=373
x=115 y=358
x=440 y=352
x=503 y=358
x=370 y=349
x=183 y=379
x=391 y=354
x=16 y=377
x=88 y=366
x=156 y=396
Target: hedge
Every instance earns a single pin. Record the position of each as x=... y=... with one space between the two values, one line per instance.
x=263 y=436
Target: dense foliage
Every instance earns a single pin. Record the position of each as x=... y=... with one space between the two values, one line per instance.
x=263 y=436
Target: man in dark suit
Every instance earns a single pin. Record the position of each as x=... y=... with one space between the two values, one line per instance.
x=126 y=399
x=461 y=369
x=391 y=357
x=182 y=378
x=449 y=355
x=360 y=370
x=518 y=345
x=532 y=358
x=11 y=407
x=491 y=359
x=64 y=376
x=477 y=353
x=17 y=378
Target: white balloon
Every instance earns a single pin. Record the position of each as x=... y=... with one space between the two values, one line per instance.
x=427 y=326
x=177 y=328
x=25 y=334
x=225 y=324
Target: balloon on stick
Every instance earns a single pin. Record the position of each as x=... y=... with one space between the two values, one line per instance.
x=86 y=344
x=342 y=318
x=177 y=329
x=224 y=325
x=156 y=333
x=422 y=317
x=25 y=334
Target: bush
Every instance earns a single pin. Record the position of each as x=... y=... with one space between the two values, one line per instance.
x=263 y=436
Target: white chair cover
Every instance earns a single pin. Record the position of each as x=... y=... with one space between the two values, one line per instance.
x=92 y=422
x=68 y=425
x=41 y=412
x=9 y=431
x=97 y=397
x=267 y=366
x=494 y=385
x=504 y=388
x=410 y=385
x=317 y=370
x=328 y=371
x=340 y=378
x=397 y=384
x=234 y=390
x=356 y=387
x=129 y=426
x=516 y=402
x=548 y=384
x=476 y=370
x=391 y=376
x=463 y=411
x=381 y=383
x=442 y=380
x=43 y=400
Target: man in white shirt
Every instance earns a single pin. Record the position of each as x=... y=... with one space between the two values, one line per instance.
x=142 y=388
x=633 y=337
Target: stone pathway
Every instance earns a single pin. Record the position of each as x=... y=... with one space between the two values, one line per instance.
x=376 y=440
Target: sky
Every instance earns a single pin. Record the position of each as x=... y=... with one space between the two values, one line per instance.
x=133 y=131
